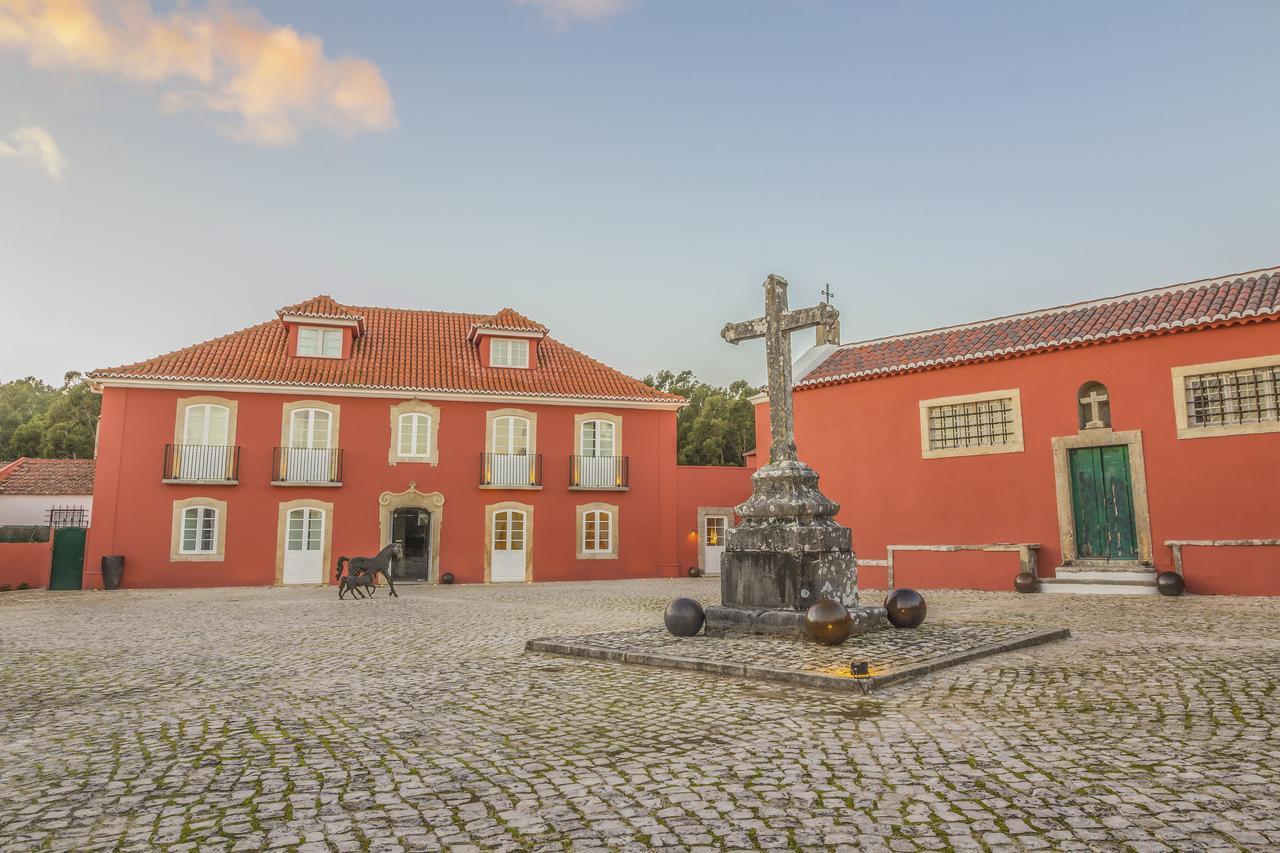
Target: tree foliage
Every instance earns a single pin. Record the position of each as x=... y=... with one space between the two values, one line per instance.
x=718 y=425
x=37 y=419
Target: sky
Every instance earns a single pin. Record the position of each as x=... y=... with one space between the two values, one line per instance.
x=627 y=172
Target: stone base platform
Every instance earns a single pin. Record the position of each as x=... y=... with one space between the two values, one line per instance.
x=723 y=621
x=892 y=655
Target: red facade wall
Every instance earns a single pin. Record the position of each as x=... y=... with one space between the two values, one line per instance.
x=705 y=486
x=133 y=508
x=863 y=438
x=25 y=562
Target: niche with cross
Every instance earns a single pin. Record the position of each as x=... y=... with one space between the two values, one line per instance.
x=1094 y=406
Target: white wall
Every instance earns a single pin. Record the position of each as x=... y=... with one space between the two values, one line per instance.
x=33 y=509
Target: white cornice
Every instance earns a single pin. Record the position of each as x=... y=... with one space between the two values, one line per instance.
x=385 y=393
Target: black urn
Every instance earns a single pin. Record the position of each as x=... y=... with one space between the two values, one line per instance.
x=447 y=577
x=683 y=617
x=828 y=622
x=906 y=608
x=1170 y=583
x=1026 y=582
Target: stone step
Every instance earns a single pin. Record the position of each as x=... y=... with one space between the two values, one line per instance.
x=1118 y=575
x=1096 y=586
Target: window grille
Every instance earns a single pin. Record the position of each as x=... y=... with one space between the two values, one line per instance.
x=67 y=516
x=985 y=423
x=1233 y=397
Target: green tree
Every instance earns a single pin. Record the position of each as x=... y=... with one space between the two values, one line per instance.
x=718 y=425
x=38 y=420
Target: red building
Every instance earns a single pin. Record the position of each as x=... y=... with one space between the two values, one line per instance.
x=490 y=450
x=1104 y=441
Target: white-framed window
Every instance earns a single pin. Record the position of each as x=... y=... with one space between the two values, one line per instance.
x=309 y=428
x=511 y=435
x=971 y=425
x=415 y=435
x=206 y=425
x=597 y=531
x=199 y=530
x=314 y=342
x=597 y=438
x=1238 y=397
x=509 y=352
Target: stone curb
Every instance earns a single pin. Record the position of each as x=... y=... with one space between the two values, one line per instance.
x=795 y=677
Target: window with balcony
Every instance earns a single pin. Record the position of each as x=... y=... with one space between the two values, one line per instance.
x=598 y=463
x=511 y=461
x=309 y=454
x=204 y=448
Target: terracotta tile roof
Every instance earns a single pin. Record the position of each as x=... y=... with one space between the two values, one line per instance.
x=319 y=306
x=402 y=350
x=510 y=320
x=1241 y=298
x=28 y=476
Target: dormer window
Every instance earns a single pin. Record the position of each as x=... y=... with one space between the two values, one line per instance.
x=315 y=342
x=509 y=352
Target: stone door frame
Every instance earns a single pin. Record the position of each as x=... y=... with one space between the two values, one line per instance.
x=411 y=498
x=703 y=512
x=1062 y=447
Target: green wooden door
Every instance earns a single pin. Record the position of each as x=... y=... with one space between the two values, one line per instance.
x=68 y=558
x=1102 y=499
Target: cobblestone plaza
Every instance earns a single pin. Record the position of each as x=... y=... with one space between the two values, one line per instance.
x=283 y=718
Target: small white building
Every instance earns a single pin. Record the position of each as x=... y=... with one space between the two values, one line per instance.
x=52 y=492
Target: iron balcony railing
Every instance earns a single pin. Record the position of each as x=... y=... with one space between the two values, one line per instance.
x=319 y=465
x=517 y=470
x=599 y=472
x=201 y=463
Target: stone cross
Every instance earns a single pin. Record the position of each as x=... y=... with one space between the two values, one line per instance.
x=776 y=327
x=1094 y=400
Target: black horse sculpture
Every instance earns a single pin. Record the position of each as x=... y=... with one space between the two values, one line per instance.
x=362 y=571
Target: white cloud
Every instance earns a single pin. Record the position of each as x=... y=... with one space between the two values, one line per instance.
x=260 y=82
x=36 y=147
x=563 y=12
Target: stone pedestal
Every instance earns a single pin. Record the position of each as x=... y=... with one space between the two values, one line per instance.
x=787 y=554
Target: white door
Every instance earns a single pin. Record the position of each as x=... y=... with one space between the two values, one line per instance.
x=304 y=546
x=205 y=454
x=713 y=542
x=598 y=466
x=509 y=460
x=308 y=455
x=506 y=562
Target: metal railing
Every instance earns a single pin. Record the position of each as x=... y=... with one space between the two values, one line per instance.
x=599 y=472
x=511 y=469
x=306 y=465
x=202 y=463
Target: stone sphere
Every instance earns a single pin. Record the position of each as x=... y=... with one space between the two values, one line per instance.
x=828 y=622
x=695 y=572
x=906 y=608
x=447 y=577
x=683 y=617
x=1170 y=583
x=1026 y=582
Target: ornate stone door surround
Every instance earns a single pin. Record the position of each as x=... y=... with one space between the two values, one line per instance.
x=1062 y=447
x=433 y=502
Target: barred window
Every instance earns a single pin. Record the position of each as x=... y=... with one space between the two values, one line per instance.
x=982 y=423
x=1233 y=397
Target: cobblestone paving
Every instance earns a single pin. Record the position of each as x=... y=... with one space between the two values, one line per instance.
x=249 y=719
x=888 y=653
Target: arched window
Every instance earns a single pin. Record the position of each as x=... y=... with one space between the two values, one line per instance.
x=597 y=531
x=415 y=435
x=1094 y=406
x=511 y=435
x=199 y=530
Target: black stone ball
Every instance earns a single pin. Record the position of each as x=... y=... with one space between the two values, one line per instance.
x=1170 y=583
x=906 y=608
x=1026 y=582
x=447 y=577
x=683 y=617
x=828 y=622
x=695 y=572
